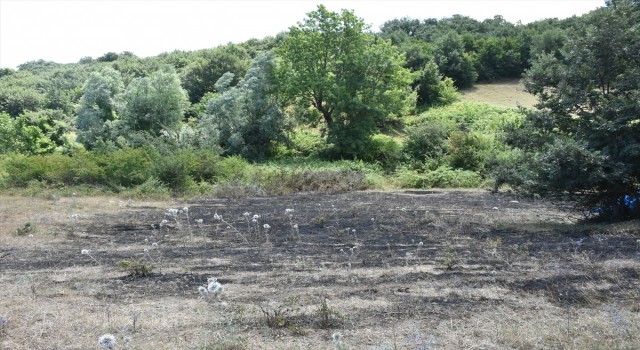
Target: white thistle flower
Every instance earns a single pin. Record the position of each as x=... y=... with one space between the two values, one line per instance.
x=214 y=286
x=246 y=214
x=337 y=337
x=84 y=252
x=199 y=221
x=146 y=250
x=256 y=216
x=75 y=216
x=163 y=223
x=202 y=291
x=107 y=341
x=154 y=244
x=217 y=217
x=266 y=226
x=288 y=211
x=420 y=244
x=186 y=210
x=295 y=226
x=254 y=221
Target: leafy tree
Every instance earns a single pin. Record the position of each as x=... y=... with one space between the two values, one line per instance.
x=201 y=75
x=585 y=138
x=245 y=119
x=97 y=105
x=155 y=103
x=19 y=136
x=353 y=79
x=453 y=61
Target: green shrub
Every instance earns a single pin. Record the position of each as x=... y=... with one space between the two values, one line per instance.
x=136 y=268
x=384 y=150
x=173 y=171
x=442 y=177
x=233 y=168
x=151 y=188
x=427 y=141
x=467 y=151
x=306 y=143
x=127 y=167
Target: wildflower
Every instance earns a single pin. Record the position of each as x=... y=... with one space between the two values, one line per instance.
x=75 y=216
x=254 y=221
x=199 y=221
x=266 y=226
x=295 y=226
x=172 y=212
x=185 y=210
x=288 y=211
x=337 y=337
x=202 y=291
x=146 y=240
x=146 y=250
x=353 y=231
x=217 y=217
x=84 y=252
x=154 y=244
x=107 y=341
x=214 y=286
x=246 y=214
x=256 y=216
x=420 y=244
x=163 y=223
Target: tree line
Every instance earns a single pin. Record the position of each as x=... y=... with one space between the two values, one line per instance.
x=331 y=76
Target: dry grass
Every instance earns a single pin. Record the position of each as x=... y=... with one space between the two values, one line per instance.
x=521 y=276
x=506 y=93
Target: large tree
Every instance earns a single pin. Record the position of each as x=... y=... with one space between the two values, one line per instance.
x=352 y=78
x=245 y=119
x=584 y=142
x=97 y=105
x=155 y=103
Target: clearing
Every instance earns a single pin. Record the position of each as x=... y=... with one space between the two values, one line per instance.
x=437 y=269
x=505 y=93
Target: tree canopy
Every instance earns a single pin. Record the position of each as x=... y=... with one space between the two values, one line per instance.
x=353 y=79
x=584 y=142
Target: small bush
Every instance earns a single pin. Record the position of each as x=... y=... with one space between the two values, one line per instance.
x=307 y=143
x=127 y=167
x=384 y=150
x=427 y=141
x=151 y=188
x=25 y=230
x=136 y=268
x=443 y=177
x=467 y=151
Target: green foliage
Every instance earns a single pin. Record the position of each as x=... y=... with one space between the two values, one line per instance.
x=453 y=61
x=203 y=72
x=97 y=105
x=586 y=141
x=467 y=150
x=245 y=120
x=384 y=150
x=355 y=80
x=306 y=143
x=19 y=135
x=442 y=177
x=155 y=103
x=428 y=140
x=136 y=268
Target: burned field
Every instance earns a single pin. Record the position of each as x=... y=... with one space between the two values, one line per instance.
x=362 y=270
